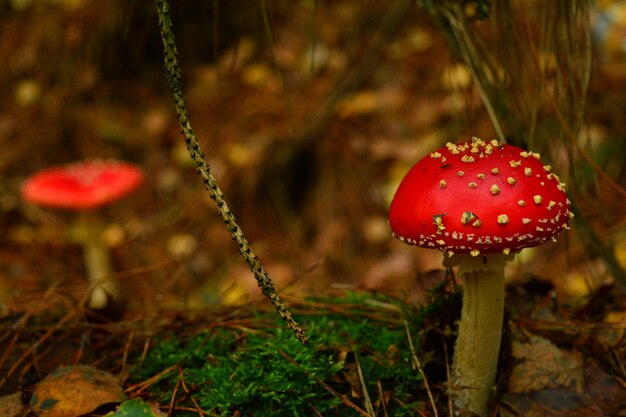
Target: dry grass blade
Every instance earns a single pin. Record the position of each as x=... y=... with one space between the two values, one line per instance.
x=477 y=62
x=445 y=352
x=366 y=396
x=418 y=366
x=573 y=76
x=532 y=67
x=566 y=28
x=381 y=395
x=513 y=74
x=127 y=346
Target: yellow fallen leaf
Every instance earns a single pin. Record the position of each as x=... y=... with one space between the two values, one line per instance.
x=74 y=391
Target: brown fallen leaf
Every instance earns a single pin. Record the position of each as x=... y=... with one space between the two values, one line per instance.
x=73 y=391
x=542 y=365
x=603 y=395
x=546 y=403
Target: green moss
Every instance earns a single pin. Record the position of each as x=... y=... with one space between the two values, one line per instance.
x=262 y=370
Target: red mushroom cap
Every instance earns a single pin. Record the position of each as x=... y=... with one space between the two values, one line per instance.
x=479 y=197
x=83 y=185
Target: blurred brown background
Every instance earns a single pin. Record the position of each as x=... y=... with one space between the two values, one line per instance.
x=310 y=112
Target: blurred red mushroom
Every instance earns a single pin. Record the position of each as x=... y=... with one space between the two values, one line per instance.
x=84 y=187
x=479 y=203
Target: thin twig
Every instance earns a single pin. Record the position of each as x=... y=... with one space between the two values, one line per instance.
x=175 y=86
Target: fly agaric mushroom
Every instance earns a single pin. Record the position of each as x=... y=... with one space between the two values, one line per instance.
x=479 y=203
x=84 y=187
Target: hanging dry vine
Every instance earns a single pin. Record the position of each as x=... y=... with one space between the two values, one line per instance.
x=175 y=86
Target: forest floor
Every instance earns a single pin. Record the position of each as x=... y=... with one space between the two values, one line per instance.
x=308 y=159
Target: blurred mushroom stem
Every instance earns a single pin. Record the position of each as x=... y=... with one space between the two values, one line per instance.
x=480 y=331
x=88 y=233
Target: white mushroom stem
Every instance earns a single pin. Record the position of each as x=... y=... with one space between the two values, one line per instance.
x=88 y=232
x=477 y=347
